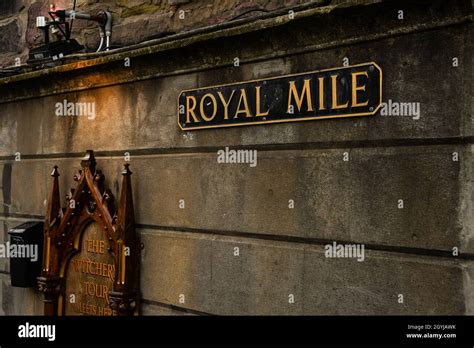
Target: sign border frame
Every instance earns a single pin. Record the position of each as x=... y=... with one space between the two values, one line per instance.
x=63 y=234
x=300 y=119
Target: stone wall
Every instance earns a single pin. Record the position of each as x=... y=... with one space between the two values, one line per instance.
x=427 y=162
x=134 y=20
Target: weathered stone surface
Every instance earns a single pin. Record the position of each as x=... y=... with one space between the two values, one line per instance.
x=10 y=38
x=117 y=109
x=429 y=286
x=178 y=2
x=140 y=9
x=8 y=134
x=354 y=200
x=148 y=120
x=467 y=198
x=19 y=301
x=91 y=40
x=425 y=179
x=206 y=12
x=28 y=188
x=10 y=7
x=8 y=59
x=21 y=132
x=154 y=126
x=4 y=262
x=263 y=278
x=184 y=271
x=468 y=283
x=132 y=3
x=110 y=109
x=143 y=27
x=245 y=284
x=150 y=309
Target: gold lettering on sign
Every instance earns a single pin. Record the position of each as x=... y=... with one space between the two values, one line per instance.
x=305 y=94
x=257 y=103
x=329 y=93
x=95 y=246
x=226 y=103
x=94 y=268
x=214 y=106
x=335 y=105
x=356 y=88
x=90 y=275
x=243 y=100
x=190 y=109
x=321 y=93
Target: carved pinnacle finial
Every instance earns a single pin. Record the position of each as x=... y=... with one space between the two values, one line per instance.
x=125 y=216
x=88 y=160
x=54 y=202
x=126 y=170
x=55 y=172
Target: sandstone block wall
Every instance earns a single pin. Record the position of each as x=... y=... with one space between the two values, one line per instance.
x=134 y=21
x=190 y=251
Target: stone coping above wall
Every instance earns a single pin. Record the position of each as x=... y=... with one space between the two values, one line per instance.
x=172 y=42
x=336 y=25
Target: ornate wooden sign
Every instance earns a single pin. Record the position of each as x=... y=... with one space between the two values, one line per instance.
x=91 y=251
x=331 y=93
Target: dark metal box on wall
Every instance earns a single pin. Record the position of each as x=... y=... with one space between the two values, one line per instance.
x=26 y=250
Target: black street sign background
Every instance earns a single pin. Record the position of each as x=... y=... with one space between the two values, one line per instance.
x=274 y=98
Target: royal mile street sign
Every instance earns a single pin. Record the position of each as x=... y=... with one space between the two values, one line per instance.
x=331 y=93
